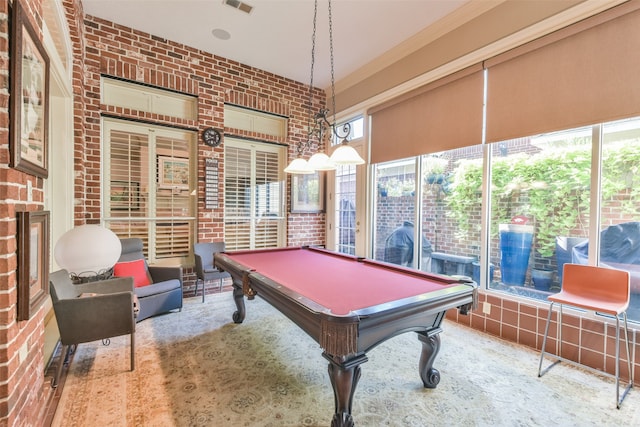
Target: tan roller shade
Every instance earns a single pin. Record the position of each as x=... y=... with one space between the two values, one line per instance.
x=442 y=115
x=583 y=74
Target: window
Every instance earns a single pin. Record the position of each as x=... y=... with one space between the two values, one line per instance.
x=346 y=209
x=254 y=121
x=356 y=131
x=448 y=221
x=149 y=99
x=254 y=196
x=395 y=209
x=148 y=180
x=540 y=192
x=541 y=218
x=540 y=214
x=620 y=204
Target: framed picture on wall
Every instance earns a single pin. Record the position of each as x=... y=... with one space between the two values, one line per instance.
x=307 y=193
x=173 y=172
x=33 y=261
x=29 y=101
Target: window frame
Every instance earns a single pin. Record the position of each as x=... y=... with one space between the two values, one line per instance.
x=281 y=218
x=154 y=132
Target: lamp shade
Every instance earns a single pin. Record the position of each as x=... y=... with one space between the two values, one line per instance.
x=87 y=250
x=299 y=166
x=321 y=162
x=346 y=155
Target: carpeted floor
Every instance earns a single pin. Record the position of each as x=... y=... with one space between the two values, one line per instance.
x=197 y=368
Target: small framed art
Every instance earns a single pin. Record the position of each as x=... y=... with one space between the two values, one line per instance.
x=33 y=261
x=173 y=172
x=307 y=193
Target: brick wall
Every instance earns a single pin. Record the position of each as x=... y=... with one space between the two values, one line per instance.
x=22 y=390
x=121 y=52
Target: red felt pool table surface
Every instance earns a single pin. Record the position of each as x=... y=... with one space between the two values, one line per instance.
x=340 y=283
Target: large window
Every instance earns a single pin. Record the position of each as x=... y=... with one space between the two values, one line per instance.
x=543 y=190
x=541 y=197
x=539 y=174
x=447 y=222
x=254 y=195
x=540 y=192
x=148 y=182
x=620 y=204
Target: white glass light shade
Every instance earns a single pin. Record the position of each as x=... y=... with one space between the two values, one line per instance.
x=321 y=162
x=299 y=166
x=87 y=250
x=346 y=155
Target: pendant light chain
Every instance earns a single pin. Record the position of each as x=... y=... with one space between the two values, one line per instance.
x=313 y=61
x=333 y=84
x=341 y=132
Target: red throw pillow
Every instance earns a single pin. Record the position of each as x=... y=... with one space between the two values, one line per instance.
x=135 y=269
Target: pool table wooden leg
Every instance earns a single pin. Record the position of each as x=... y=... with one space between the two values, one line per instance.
x=238 y=297
x=430 y=348
x=344 y=375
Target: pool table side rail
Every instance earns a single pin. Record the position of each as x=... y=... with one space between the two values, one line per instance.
x=410 y=271
x=436 y=277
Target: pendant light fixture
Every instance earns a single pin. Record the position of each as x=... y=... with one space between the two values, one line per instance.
x=319 y=126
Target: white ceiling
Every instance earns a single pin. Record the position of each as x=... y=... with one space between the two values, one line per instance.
x=276 y=35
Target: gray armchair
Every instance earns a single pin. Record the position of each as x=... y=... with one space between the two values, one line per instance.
x=91 y=311
x=205 y=270
x=164 y=293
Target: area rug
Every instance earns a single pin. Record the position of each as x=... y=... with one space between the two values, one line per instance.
x=197 y=368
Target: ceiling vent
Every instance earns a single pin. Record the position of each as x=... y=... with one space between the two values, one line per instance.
x=236 y=4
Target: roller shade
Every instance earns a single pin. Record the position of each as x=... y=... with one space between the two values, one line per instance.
x=440 y=116
x=583 y=74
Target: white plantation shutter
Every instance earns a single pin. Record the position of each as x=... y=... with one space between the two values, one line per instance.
x=149 y=176
x=254 y=195
x=139 y=97
x=237 y=202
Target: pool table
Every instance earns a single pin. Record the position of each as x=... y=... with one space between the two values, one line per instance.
x=348 y=305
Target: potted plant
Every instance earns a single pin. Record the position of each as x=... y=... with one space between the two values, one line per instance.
x=542 y=278
x=382 y=191
x=433 y=169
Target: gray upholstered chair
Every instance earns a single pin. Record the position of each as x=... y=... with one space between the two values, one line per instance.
x=205 y=270
x=91 y=311
x=165 y=291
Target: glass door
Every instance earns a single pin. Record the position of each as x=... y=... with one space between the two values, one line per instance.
x=346 y=200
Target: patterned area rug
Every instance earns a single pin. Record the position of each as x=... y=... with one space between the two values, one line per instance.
x=198 y=368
